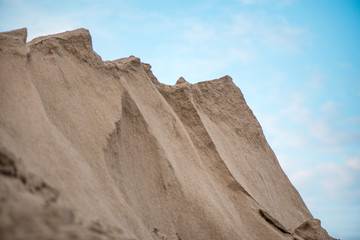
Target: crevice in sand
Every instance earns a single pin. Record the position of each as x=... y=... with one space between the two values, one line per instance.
x=273 y=221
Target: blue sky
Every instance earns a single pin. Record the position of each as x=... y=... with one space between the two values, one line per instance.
x=297 y=63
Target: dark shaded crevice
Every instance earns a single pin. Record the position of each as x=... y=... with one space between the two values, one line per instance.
x=7 y=166
x=274 y=222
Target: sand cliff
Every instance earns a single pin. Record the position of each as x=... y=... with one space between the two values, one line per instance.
x=102 y=150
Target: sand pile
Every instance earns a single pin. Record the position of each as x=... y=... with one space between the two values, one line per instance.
x=102 y=150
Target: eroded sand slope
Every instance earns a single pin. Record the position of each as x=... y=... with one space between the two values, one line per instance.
x=102 y=150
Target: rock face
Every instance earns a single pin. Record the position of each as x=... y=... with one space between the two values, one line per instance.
x=102 y=150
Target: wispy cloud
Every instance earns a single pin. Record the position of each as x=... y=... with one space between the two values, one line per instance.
x=354 y=163
x=274 y=34
x=338 y=181
x=332 y=135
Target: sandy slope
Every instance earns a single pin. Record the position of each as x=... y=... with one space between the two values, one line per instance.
x=102 y=150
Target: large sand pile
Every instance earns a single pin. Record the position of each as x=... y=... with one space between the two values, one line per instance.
x=102 y=150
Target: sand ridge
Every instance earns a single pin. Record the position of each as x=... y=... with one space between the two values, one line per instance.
x=129 y=157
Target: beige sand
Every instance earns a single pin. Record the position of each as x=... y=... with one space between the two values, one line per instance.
x=102 y=150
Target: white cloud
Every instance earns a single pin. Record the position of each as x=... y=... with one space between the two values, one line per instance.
x=339 y=181
x=274 y=34
x=331 y=135
x=354 y=163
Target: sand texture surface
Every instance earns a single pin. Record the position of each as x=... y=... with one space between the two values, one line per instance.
x=93 y=149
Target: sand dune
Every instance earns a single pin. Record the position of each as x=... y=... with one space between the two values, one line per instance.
x=102 y=150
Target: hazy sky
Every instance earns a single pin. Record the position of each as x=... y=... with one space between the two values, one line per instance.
x=297 y=63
